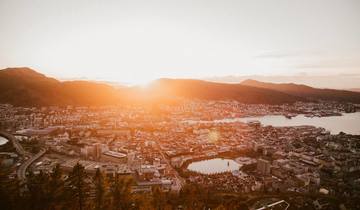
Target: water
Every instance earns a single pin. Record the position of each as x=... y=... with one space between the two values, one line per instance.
x=3 y=140
x=348 y=122
x=212 y=166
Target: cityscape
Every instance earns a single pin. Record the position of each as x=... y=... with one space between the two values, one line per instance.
x=256 y=164
x=179 y=105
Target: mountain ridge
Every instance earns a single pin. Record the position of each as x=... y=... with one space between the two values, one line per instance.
x=307 y=91
x=27 y=87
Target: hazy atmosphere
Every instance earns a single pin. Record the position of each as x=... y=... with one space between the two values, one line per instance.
x=179 y=105
x=137 y=41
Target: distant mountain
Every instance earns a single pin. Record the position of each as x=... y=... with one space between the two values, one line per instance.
x=354 y=89
x=307 y=91
x=26 y=87
x=339 y=82
x=199 y=89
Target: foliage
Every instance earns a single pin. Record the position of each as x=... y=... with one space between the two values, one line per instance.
x=79 y=190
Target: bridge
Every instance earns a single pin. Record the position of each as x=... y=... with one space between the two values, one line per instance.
x=19 y=149
x=21 y=172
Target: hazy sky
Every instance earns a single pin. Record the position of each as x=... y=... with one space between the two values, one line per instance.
x=135 y=41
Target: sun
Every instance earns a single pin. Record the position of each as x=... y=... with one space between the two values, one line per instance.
x=140 y=82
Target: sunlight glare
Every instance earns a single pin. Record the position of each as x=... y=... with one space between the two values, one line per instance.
x=214 y=136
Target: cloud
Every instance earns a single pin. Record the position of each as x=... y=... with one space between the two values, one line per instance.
x=289 y=54
x=345 y=59
x=338 y=63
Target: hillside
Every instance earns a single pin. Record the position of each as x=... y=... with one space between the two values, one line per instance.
x=307 y=91
x=354 y=89
x=199 y=89
x=22 y=86
x=26 y=87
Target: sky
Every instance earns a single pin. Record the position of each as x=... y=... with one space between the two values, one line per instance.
x=137 y=41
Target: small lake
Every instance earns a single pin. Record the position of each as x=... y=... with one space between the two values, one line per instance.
x=212 y=166
x=3 y=140
x=348 y=122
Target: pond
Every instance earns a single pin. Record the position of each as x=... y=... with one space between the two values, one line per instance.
x=3 y=140
x=212 y=166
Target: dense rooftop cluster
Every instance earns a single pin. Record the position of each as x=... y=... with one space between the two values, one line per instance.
x=155 y=144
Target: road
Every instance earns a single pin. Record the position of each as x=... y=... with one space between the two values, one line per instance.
x=8 y=153
x=180 y=182
x=19 y=149
x=269 y=206
x=21 y=173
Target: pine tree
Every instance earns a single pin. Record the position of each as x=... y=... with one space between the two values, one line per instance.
x=5 y=183
x=77 y=186
x=120 y=192
x=192 y=196
x=100 y=188
x=143 y=201
x=38 y=190
x=56 y=187
x=159 y=198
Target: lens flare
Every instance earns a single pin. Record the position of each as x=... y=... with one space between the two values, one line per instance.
x=213 y=136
